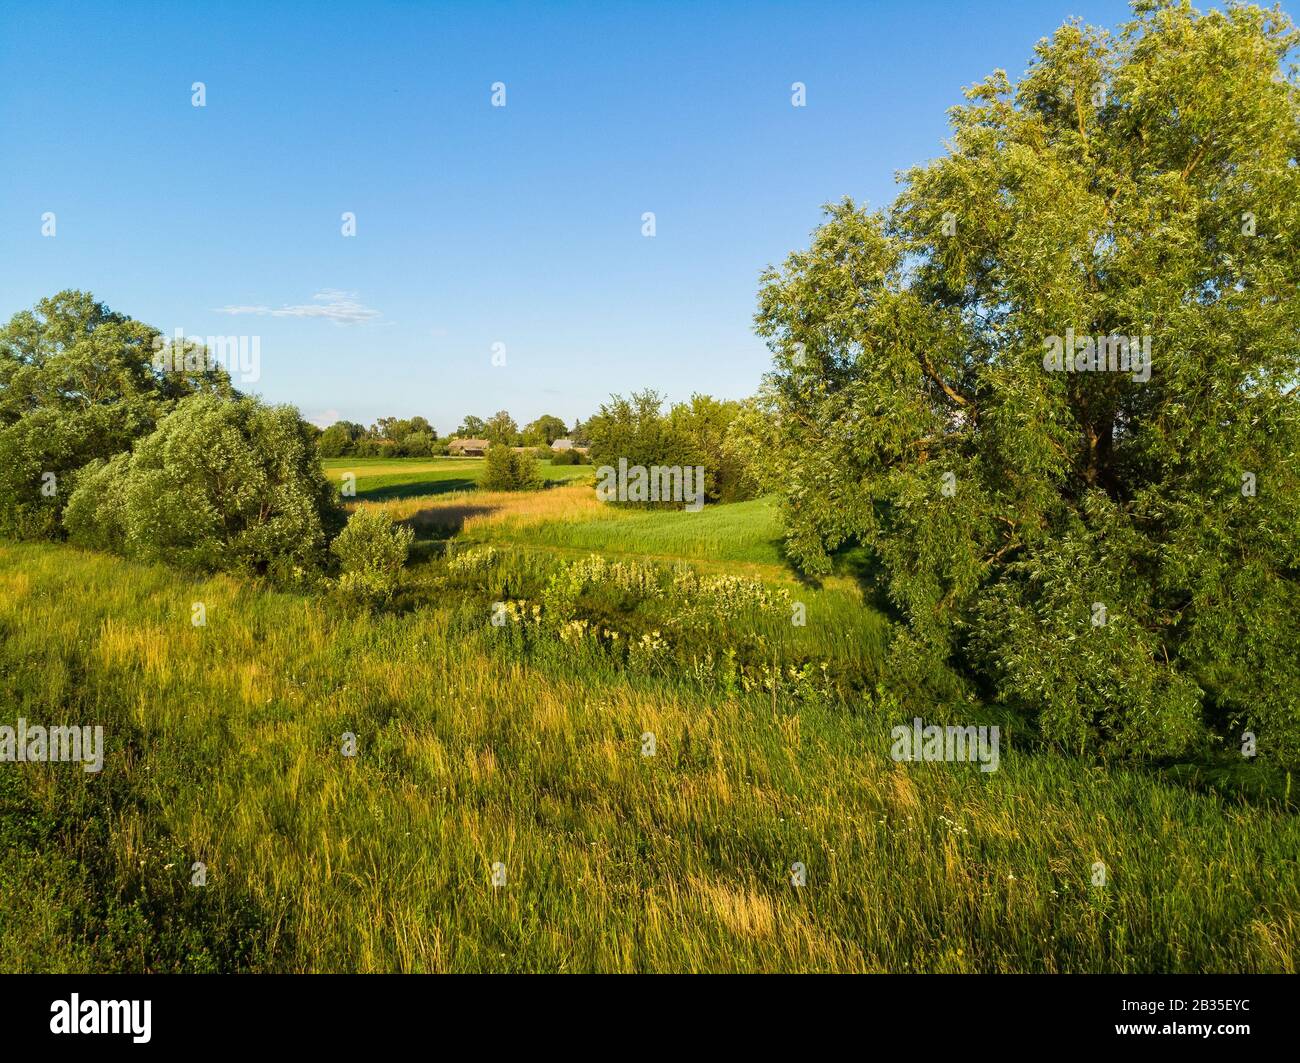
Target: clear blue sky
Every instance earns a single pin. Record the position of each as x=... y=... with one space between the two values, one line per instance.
x=475 y=225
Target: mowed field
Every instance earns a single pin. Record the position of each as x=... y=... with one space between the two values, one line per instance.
x=438 y=498
x=378 y=479
x=503 y=814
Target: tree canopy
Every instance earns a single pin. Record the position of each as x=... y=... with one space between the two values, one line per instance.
x=695 y=433
x=1117 y=555
x=77 y=382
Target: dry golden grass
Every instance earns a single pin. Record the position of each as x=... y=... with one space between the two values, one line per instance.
x=741 y=911
x=470 y=511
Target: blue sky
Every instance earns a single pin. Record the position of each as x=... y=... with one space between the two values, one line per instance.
x=476 y=225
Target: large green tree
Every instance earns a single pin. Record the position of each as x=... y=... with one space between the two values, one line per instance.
x=340 y=439
x=501 y=428
x=220 y=484
x=544 y=431
x=1114 y=551
x=471 y=427
x=78 y=381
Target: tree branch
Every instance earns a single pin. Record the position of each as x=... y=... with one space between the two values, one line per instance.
x=952 y=393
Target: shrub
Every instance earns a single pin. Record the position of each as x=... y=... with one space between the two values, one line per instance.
x=221 y=484
x=96 y=512
x=339 y=439
x=510 y=470
x=689 y=434
x=472 y=562
x=416 y=445
x=372 y=551
x=376 y=448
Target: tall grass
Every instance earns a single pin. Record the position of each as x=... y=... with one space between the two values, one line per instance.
x=224 y=747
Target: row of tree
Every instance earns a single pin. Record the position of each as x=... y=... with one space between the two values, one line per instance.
x=387 y=437
x=415 y=437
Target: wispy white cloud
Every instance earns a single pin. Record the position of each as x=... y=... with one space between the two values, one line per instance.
x=342 y=308
x=325 y=418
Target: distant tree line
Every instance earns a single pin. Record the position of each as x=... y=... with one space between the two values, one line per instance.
x=415 y=437
x=641 y=428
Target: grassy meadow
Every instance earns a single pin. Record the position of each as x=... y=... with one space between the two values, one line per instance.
x=519 y=753
x=379 y=479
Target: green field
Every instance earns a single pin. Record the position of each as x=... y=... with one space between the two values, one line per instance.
x=379 y=479
x=482 y=746
x=745 y=532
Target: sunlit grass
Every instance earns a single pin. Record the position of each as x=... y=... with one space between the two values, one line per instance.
x=380 y=479
x=479 y=513
x=224 y=747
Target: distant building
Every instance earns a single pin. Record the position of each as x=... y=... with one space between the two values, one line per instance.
x=569 y=444
x=469 y=448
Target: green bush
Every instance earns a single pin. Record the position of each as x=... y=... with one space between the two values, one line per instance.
x=339 y=439
x=376 y=448
x=416 y=445
x=509 y=470
x=372 y=551
x=697 y=434
x=96 y=512
x=221 y=484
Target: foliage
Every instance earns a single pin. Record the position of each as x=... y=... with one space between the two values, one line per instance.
x=78 y=383
x=689 y=434
x=571 y=456
x=417 y=445
x=507 y=469
x=340 y=439
x=501 y=429
x=390 y=437
x=220 y=484
x=372 y=551
x=544 y=431
x=1142 y=183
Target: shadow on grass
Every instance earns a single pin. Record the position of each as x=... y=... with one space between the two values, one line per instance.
x=446 y=521
x=1234 y=779
x=388 y=492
